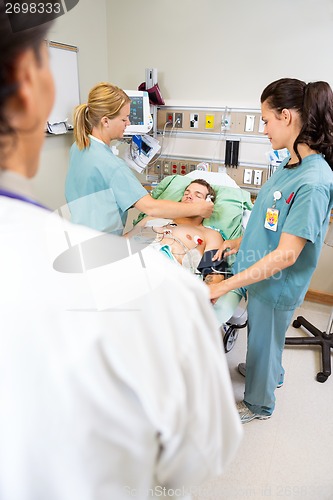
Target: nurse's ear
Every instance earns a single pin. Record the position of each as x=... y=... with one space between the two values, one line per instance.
x=105 y=122
x=21 y=106
x=286 y=115
x=291 y=118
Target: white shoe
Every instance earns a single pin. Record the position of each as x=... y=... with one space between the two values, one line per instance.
x=242 y=370
x=246 y=415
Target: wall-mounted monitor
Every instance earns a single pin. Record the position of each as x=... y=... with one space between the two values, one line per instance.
x=140 y=117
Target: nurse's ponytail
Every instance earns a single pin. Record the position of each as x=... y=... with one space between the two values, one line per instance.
x=318 y=119
x=314 y=103
x=104 y=99
x=82 y=128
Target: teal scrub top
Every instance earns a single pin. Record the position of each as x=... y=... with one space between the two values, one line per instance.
x=304 y=211
x=100 y=188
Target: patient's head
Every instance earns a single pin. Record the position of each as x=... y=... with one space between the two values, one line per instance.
x=198 y=190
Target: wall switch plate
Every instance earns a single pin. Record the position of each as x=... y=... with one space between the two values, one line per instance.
x=247 y=176
x=261 y=126
x=249 y=123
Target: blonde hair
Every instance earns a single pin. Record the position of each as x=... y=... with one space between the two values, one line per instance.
x=104 y=99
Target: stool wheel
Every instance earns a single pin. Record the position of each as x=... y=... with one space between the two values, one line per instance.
x=321 y=377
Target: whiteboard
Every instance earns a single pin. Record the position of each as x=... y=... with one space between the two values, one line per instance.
x=64 y=66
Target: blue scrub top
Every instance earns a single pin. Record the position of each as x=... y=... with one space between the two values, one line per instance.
x=304 y=211
x=100 y=188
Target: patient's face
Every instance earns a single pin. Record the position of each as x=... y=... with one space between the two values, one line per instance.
x=194 y=193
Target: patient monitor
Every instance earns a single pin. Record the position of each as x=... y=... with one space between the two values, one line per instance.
x=143 y=147
x=140 y=117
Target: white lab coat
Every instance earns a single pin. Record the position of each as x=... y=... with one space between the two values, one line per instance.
x=113 y=381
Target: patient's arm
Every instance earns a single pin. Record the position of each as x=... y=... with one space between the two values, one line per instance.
x=136 y=229
x=213 y=278
x=213 y=240
x=232 y=245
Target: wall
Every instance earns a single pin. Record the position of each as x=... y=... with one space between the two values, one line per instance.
x=217 y=51
x=85 y=27
x=323 y=277
x=221 y=53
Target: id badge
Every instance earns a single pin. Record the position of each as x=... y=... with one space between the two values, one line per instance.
x=272 y=217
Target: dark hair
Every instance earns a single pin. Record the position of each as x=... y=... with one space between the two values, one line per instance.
x=11 y=45
x=314 y=103
x=211 y=191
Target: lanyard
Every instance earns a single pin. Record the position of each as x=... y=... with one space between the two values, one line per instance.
x=16 y=196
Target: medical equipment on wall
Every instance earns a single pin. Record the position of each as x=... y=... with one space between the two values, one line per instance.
x=231 y=153
x=141 y=151
x=141 y=147
x=140 y=116
x=203 y=166
x=274 y=159
x=152 y=87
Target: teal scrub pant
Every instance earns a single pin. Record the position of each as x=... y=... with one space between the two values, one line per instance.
x=266 y=336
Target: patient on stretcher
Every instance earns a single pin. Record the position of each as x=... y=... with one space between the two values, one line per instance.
x=225 y=222
x=185 y=240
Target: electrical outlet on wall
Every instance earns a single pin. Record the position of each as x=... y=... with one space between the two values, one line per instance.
x=169 y=118
x=178 y=120
x=247 y=179
x=166 y=168
x=257 y=178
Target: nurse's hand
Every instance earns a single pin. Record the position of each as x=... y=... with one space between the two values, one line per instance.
x=216 y=290
x=228 y=247
x=204 y=208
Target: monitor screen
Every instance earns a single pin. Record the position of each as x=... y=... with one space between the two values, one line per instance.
x=140 y=117
x=136 y=114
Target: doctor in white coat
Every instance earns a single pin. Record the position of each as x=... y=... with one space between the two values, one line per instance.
x=109 y=389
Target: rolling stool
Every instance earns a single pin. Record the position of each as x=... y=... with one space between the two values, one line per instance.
x=323 y=339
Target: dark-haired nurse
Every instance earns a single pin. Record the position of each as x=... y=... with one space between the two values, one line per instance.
x=281 y=245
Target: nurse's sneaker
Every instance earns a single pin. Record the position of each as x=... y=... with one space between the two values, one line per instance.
x=246 y=415
x=242 y=371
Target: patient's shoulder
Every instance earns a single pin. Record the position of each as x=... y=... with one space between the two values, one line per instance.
x=213 y=238
x=210 y=232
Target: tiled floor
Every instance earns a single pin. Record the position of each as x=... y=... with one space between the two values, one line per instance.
x=291 y=454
